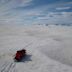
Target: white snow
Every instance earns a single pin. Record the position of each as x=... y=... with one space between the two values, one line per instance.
x=49 y=49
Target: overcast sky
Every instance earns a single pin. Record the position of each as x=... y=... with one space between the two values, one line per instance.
x=35 y=11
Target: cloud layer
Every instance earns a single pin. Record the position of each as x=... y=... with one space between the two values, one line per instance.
x=35 y=11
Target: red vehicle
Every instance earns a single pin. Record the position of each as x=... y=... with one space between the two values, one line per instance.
x=20 y=54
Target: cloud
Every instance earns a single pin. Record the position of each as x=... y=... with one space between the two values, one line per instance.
x=23 y=3
x=7 y=7
x=10 y=4
x=63 y=17
x=63 y=8
x=56 y=17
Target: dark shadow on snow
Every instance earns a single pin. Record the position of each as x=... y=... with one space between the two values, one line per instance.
x=26 y=58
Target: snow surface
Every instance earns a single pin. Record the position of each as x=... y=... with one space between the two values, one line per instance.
x=49 y=48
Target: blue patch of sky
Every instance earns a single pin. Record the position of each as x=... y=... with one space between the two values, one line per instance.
x=37 y=3
x=46 y=2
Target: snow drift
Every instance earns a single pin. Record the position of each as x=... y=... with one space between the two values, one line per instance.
x=48 y=48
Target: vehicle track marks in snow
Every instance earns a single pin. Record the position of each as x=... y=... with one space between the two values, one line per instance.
x=8 y=67
x=3 y=67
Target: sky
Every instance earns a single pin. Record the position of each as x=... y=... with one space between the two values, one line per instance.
x=36 y=11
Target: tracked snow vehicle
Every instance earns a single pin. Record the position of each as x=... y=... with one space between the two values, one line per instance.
x=19 y=55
